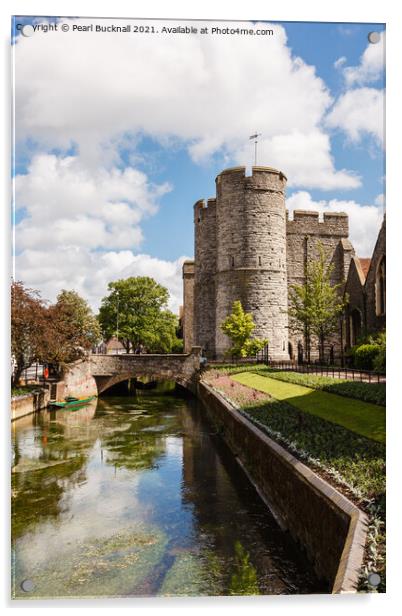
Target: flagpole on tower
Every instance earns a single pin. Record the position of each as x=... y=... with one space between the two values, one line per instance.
x=255 y=137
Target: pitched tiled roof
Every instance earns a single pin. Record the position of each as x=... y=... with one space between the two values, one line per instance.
x=365 y=265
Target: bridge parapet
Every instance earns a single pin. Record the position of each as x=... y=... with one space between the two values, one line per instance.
x=111 y=369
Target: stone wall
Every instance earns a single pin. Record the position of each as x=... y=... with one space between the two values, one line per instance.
x=375 y=319
x=330 y=529
x=304 y=234
x=188 y=305
x=354 y=290
x=247 y=248
x=78 y=380
x=204 y=274
x=107 y=370
x=29 y=403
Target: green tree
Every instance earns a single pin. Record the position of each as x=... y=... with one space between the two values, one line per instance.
x=316 y=305
x=72 y=329
x=135 y=311
x=239 y=326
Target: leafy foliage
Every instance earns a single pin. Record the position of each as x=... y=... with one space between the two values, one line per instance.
x=59 y=333
x=72 y=329
x=28 y=326
x=316 y=305
x=136 y=312
x=370 y=354
x=239 y=326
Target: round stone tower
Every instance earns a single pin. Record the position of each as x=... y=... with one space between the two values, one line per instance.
x=204 y=275
x=251 y=254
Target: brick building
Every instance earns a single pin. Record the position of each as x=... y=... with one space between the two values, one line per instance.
x=247 y=248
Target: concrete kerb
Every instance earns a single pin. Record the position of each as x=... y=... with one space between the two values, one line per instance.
x=351 y=557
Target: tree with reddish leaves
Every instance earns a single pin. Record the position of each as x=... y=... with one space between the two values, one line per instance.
x=57 y=334
x=28 y=323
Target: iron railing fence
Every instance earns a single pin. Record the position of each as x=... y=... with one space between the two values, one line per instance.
x=339 y=372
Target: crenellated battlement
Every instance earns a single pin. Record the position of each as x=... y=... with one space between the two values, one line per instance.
x=309 y=222
x=261 y=179
x=204 y=209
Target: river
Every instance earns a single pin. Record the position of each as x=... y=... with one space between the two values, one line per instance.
x=137 y=496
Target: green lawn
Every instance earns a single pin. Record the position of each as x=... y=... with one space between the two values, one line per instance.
x=360 y=417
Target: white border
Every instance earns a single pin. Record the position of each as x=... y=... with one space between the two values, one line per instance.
x=388 y=11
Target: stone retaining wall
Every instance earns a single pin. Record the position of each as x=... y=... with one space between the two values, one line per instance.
x=330 y=529
x=28 y=403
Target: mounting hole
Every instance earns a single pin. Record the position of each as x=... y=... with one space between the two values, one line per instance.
x=374 y=579
x=374 y=37
x=27 y=585
x=27 y=30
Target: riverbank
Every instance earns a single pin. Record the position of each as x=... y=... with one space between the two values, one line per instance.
x=28 y=403
x=354 y=465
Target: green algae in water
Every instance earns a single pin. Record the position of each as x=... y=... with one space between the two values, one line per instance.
x=192 y=576
x=112 y=566
x=244 y=578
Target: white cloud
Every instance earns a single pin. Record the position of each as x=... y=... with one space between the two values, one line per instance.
x=66 y=204
x=89 y=272
x=364 y=220
x=211 y=94
x=305 y=159
x=357 y=112
x=371 y=66
x=81 y=227
x=340 y=62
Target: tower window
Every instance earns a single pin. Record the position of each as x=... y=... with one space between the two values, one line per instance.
x=232 y=261
x=259 y=261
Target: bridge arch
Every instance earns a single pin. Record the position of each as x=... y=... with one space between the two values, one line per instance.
x=108 y=370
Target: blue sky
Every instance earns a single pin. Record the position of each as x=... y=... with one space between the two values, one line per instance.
x=118 y=136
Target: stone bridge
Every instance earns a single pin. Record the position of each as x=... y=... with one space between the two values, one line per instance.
x=97 y=373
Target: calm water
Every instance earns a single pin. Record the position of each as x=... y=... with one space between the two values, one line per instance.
x=136 y=497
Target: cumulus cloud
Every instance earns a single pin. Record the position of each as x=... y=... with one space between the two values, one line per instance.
x=340 y=62
x=90 y=91
x=65 y=203
x=84 y=98
x=306 y=160
x=364 y=220
x=88 y=272
x=80 y=228
x=358 y=112
x=370 y=67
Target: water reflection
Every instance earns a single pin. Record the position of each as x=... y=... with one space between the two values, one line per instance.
x=138 y=496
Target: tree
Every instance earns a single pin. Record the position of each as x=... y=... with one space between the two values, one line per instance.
x=239 y=326
x=135 y=311
x=72 y=329
x=28 y=324
x=316 y=305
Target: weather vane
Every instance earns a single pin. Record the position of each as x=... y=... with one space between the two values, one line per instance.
x=255 y=137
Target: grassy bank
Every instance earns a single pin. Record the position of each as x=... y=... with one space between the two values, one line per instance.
x=364 y=418
x=354 y=463
x=368 y=392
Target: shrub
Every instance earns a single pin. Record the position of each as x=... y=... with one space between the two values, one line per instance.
x=365 y=355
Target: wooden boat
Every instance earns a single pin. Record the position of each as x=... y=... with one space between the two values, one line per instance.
x=70 y=402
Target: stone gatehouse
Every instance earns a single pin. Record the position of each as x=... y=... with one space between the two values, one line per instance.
x=248 y=248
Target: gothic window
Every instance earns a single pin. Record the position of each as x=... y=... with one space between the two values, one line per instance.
x=380 y=281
